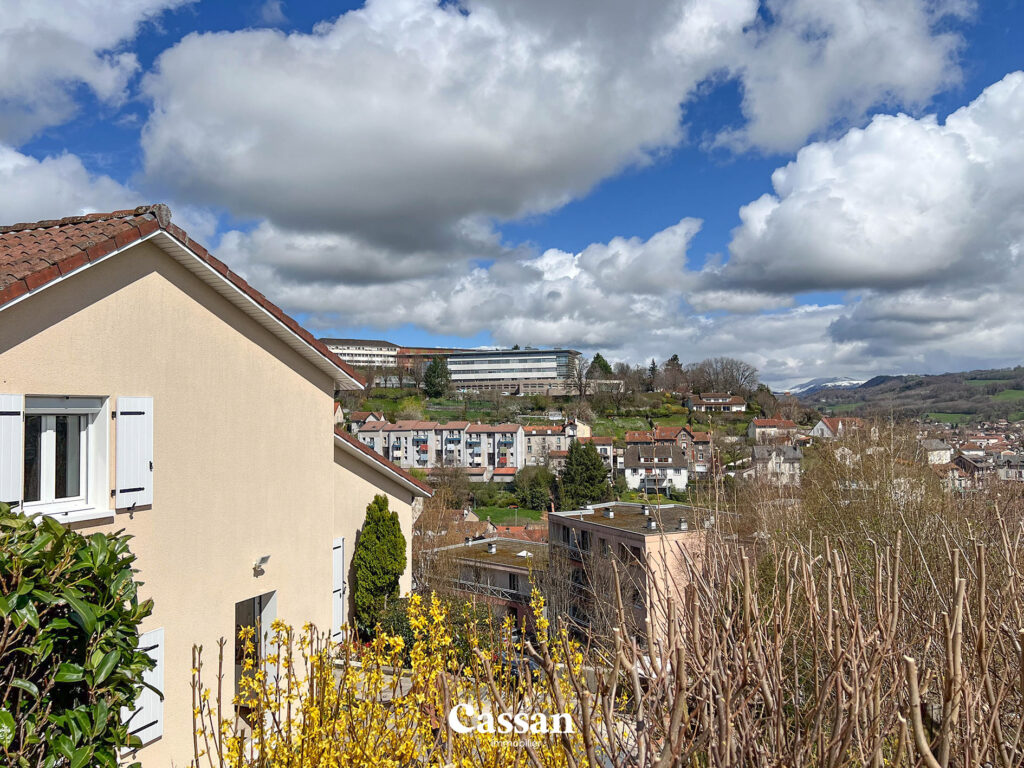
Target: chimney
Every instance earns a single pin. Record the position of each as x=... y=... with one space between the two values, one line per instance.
x=644 y=510
x=652 y=524
x=683 y=525
x=492 y=548
x=609 y=512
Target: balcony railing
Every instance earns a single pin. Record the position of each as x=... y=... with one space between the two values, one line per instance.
x=491 y=590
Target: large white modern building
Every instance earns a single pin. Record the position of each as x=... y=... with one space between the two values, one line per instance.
x=364 y=353
x=514 y=371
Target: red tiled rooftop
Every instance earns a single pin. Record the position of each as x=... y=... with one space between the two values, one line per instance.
x=639 y=436
x=34 y=254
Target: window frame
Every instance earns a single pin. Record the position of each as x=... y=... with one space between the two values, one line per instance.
x=92 y=503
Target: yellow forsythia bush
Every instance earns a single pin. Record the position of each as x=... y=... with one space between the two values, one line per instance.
x=310 y=703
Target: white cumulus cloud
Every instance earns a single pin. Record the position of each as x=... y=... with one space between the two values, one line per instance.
x=48 y=50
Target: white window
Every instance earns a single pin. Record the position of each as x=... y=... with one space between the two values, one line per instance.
x=64 y=457
x=55 y=457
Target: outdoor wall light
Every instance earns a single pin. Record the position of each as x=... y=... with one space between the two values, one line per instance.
x=257 y=567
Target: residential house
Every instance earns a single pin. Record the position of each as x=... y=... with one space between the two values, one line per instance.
x=605 y=448
x=639 y=437
x=770 y=430
x=937 y=451
x=575 y=429
x=777 y=464
x=122 y=346
x=1011 y=468
x=701 y=455
x=356 y=419
x=953 y=478
x=716 y=402
x=556 y=461
x=655 y=468
x=652 y=546
x=977 y=470
x=665 y=435
x=831 y=427
x=540 y=440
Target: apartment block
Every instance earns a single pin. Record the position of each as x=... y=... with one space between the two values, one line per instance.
x=499 y=572
x=426 y=444
x=649 y=545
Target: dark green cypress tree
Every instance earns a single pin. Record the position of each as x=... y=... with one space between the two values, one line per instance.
x=437 y=379
x=378 y=562
x=585 y=477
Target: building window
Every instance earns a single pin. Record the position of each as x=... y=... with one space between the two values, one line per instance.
x=64 y=455
x=55 y=457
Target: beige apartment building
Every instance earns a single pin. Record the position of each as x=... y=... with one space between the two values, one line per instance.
x=498 y=572
x=650 y=546
x=146 y=387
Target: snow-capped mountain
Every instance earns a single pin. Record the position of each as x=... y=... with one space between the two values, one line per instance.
x=816 y=385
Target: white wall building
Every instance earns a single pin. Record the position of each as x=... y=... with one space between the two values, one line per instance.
x=364 y=353
x=513 y=370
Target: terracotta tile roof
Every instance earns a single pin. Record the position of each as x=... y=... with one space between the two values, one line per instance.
x=639 y=436
x=494 y=428
x=505 y=470
x=699 y=437
x=836 y=423
x=667 y=433
x=376 y=457
x=454 y=425
x=541 y=430
x=596 y=440
x=558 y=454
x=34 y=254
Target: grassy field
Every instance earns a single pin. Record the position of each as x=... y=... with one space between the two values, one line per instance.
x=949 y=418
x=983 y=382
x=502 y=516
x=678 y=420
x=1009 y=394
x=617 y=427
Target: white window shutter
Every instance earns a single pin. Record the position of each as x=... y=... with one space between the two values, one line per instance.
x=338 y=589
x=134 y=464
x=12 y=448
x=147 y=721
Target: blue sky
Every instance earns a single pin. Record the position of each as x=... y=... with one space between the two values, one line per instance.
x=595 y=175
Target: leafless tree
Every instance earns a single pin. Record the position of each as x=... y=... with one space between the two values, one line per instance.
x=724 y=374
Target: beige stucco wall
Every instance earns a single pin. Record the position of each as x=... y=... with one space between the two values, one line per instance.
x=244 y=463
x=355 y=485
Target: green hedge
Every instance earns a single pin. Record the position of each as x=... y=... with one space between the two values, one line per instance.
x=69 y=657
